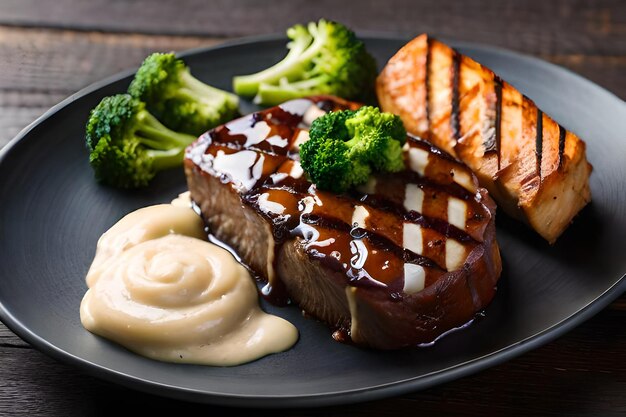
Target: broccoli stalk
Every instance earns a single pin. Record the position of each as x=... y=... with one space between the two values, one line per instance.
x=289 y=68
x=323 y=58
x=345 y=147
x=128 y=145
x=178 y=99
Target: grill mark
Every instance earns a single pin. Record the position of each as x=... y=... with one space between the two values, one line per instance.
x=454 y=115
x=539 y=141
x=375 y=239
x=300 y=186
x=454 y=189
x=283 y=229
x=498 y=122
x=375 y=201
x=427 y=83
x=490 y=142
x=562 y=133
x=438 y=225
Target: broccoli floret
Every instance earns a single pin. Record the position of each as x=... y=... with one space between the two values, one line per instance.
x=378 y=137
x=345 y=147
x=128 y=145
x=332 y=126
x=326 y=162
x=323 y=58
x=178 y=99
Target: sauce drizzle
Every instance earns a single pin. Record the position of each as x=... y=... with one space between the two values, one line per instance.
x=368 y=234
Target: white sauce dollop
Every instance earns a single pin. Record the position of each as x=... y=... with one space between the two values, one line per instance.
x=159 y=290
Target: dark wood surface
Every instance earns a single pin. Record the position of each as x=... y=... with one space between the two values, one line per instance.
x=49 y=50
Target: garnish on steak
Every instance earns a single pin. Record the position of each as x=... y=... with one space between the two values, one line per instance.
x=393 y=263
x=346 y=147
x=533 y=167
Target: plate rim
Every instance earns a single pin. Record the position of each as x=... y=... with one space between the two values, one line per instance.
x=351 y=396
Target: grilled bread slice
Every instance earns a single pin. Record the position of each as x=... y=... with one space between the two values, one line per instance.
x=533 y=167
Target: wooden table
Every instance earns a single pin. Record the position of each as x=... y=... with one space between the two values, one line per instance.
x=48 y=50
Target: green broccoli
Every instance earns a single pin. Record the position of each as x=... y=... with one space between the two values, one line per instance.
x=345 y=147
x=323 y=58
x=378 y=137
x=332 y=126
x=328 y=166
x=178 y=99
x=128 y=145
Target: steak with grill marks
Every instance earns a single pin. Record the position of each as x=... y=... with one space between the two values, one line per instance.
x=391 y=264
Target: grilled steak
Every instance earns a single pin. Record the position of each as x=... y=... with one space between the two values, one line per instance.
x=392 y=264
x=534 y=168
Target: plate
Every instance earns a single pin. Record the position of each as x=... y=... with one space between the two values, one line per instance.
x=52 y=213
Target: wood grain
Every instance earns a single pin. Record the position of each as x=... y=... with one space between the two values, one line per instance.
x=19 y=108
x=607 y=71
x=43 y=66
x=538 y=27
x=568 y=377
x=49 y=50
x=51 y=390
x=65 y=61
x=9 y=339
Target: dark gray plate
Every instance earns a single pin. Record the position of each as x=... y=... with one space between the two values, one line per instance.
x=52 y=213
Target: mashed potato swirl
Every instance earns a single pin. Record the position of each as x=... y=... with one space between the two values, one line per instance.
x=175 y=297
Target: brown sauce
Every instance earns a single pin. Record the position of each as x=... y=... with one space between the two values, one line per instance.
x=371 y=254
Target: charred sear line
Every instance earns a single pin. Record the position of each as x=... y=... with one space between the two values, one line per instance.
x=411 y=257
x=498 y=122
x=378 y=241
x=490 y=131
x=406 y=255
x=440 y=226
x=454 y=189
x=562 y=133
x=427 y=81
x=489 y=142
x=539 y=141
x=454 y=116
